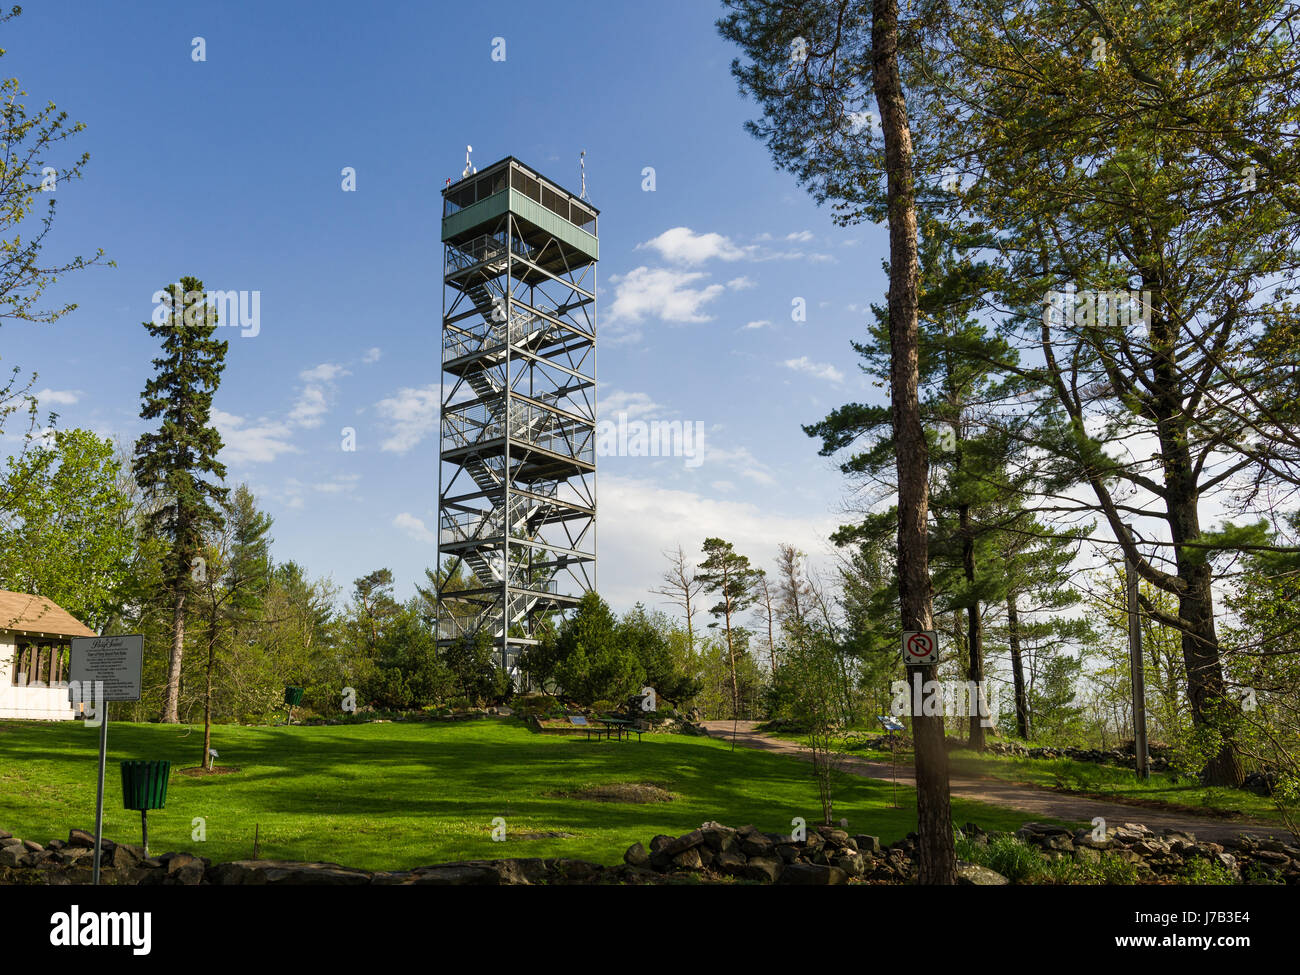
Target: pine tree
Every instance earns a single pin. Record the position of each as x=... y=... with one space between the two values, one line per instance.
x=170 y=463
x=727 y=573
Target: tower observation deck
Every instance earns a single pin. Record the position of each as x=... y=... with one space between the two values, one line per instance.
x=517 y=471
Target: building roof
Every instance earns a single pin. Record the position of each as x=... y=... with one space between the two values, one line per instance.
x=35 y=614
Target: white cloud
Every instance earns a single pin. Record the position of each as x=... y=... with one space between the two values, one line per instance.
x=681 y=245
x=742 y=283
x=640 y=519
x=259 y=442
x=58 y=397
x=818 y=370
x=326 y=372
x=633 y=404
x=660 y=293
x=739 y=459
x=311 y=407
x=415 y=528
x=803 y=236
x=371 y=355
x=763 y=323
x=413 y=415
x=315 y=397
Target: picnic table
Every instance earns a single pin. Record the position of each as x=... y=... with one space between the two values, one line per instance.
x=607 y=726
x=621 y=726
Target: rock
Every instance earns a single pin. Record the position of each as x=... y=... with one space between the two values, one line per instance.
x=683 y=843
x=79 y=837
x=688 y=860
x=636 y=856
x=5 y=834
x=867 y=844
x=1041 y=829
x=763 y=869
x=973 y=875
x=32 y=846
x=1087 y=854
x=834 y=837
x=126 y=856
x=659 y=842
x=182 y=868
x=1084 y=837
x=787 y=853
x=812 y=874
x=756 y=845
x=854 y=866
x=259 y=872
x=718 y=838
x=731 y=862
x=11 y=856
x=36 y=859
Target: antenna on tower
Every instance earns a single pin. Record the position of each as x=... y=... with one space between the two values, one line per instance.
x=469 y=167
x=582 y=166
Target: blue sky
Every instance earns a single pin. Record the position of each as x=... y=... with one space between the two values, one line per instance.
x=230 y=170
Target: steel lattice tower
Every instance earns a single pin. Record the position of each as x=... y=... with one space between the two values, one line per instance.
x=517 y=478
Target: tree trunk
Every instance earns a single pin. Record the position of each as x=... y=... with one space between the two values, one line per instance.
x=936 y=858
x=207 y=700
x=1017 y=668
x=1206 y=691
x=974 y=635
x=171 y=702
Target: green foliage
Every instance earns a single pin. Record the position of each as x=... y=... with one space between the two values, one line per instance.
x=1024 y=864
x=593 y=663
x=170 y=463
x=66 y=531
x=648 y=636
x=470 y=663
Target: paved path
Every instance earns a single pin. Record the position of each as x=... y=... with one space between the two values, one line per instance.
x=1038 y=803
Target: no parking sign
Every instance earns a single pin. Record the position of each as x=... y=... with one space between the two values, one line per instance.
x=920 y=647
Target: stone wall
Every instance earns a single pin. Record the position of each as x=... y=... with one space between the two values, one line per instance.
x=711 y=853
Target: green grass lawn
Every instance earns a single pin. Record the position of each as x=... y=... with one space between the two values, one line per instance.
x=392 y=796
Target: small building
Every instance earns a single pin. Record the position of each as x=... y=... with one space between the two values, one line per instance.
x=35 y=637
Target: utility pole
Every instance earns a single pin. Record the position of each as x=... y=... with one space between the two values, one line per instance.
x=1141 y=758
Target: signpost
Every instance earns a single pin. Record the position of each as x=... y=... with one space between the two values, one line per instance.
x=891 y=725
x=111 y=666
x=920 y=647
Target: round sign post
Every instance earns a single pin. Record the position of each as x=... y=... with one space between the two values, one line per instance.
x=920 y=647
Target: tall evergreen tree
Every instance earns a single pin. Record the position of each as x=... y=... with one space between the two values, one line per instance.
x=815 y=66
x=728 y=573
x=171 y=463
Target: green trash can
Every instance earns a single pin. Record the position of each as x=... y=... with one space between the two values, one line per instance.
x=144 y=787
x=293 y=697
